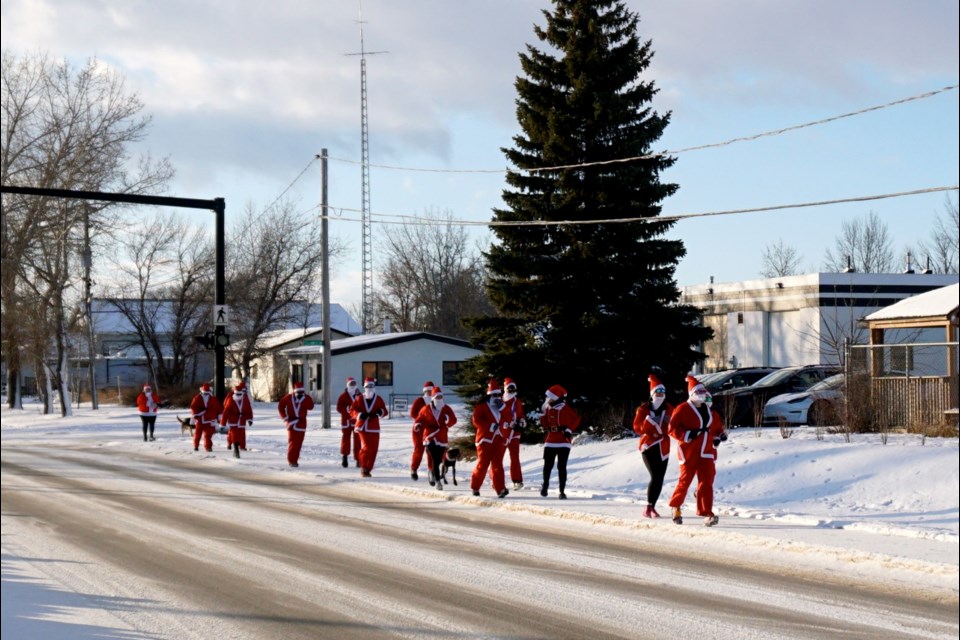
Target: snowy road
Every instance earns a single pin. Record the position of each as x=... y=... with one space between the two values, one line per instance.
x=169 y=547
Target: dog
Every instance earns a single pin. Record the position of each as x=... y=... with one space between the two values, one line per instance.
x=450 y=457
x=186 y=426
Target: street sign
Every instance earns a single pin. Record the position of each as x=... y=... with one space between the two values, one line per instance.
x=221 y=314
x=313 y=343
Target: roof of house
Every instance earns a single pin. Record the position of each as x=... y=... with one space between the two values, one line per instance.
x=108 y=319
x=938 y=303
x=374 y=340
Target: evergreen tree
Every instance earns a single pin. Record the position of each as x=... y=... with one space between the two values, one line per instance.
x=591 y=306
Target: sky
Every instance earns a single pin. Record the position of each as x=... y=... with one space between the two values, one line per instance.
x=863 y=509
x=244 y=95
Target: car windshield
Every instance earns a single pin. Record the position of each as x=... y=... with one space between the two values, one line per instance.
x=832 y=382
x=774 y=378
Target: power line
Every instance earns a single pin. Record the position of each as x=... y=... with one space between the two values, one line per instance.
x=713 y=145
x=414 y=220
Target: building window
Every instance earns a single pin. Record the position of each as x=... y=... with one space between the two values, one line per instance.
x=451 y=373
x=382 y=372
x=296 y=373
x=319 y=385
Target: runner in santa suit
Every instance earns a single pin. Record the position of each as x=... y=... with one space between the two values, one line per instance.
x=205 y=408
x=293 y=409
x=147 y=404
x=491 y=445
x=416 y=432
x=368 y=408
x=514 y=422
x=347 y=433
x=559 y=421
x=236 y=417
x=652 y=422
x=698 y=430
x=435 y=420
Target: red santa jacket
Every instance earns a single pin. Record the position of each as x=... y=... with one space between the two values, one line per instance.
x=376 y=408
x=344 y=402
x=685 y=427
x=653 y=427
x=512 y=414
x=415 y=408
x=234 y=415
x=486 y=420
x=557 y=421
x=147 y=404
x=205 y=411
x=294 y=411
x=435 y=424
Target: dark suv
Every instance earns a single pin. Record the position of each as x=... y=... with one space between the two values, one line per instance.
x=744 y=407
x=734 y=378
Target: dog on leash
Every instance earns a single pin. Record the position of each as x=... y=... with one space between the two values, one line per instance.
x=186 y=426
x=450 y=457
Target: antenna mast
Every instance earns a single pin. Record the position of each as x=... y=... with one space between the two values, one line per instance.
x=366 y=254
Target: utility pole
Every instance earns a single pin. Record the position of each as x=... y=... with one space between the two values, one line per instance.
x=88 y=309
x=326 y=393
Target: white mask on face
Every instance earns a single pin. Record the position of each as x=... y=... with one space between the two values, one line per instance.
x=238 y=397
x=510 y=394
x=369 y=392
x=657 y=401
x=426 y=396
x=698 y=398
x=438 y=403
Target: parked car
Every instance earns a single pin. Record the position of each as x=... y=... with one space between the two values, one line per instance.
x=744 y=407
x=734 y=378
x=817 y=406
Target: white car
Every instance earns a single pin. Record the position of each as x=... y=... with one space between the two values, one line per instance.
x=817 y=406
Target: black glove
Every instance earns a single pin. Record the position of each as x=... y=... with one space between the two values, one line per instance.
x=568 y=434
x=717 y=441
x=694 y=434
x=364 y=415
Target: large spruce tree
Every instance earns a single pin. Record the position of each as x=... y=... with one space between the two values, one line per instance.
x=593 y=306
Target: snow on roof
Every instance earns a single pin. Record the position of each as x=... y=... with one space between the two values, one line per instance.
x=358 y=343
x=932 y=304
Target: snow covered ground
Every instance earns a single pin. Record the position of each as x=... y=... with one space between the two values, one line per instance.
x=888 y=510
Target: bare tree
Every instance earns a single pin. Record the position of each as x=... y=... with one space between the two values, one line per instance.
x=863 y=244
x=274 y=259
x=780 y=259
x=165 y=272
x=431 y=279
x=63 y=128
x=942 y=251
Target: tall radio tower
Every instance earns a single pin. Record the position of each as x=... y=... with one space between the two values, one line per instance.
x=366 y=300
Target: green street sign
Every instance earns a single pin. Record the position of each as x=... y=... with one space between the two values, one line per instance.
x=313 y=343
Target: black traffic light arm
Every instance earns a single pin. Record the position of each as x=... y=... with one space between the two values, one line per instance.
x=217 y=205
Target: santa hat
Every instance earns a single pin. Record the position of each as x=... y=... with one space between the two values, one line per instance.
x=656 y=385
x=351 y=381
x=436 y=393
x=241 y=387
x=369 y=382
x=694 y=385
x=493 y=387
x=427 y=386
x=297 y=385
x=205 y=388
x=508 y=382
x=146 y=386
x=556 y=392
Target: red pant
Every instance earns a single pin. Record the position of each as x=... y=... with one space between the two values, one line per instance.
x=237 y=436
x=489 y=454
x=369 y=445
x=516 y=473
x=294 y=443
x=418 y=450
x=706 y=470
x=346 y=435
x=207 y=431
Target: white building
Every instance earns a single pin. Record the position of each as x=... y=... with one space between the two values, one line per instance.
x=797 y=320
x=399 y=362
